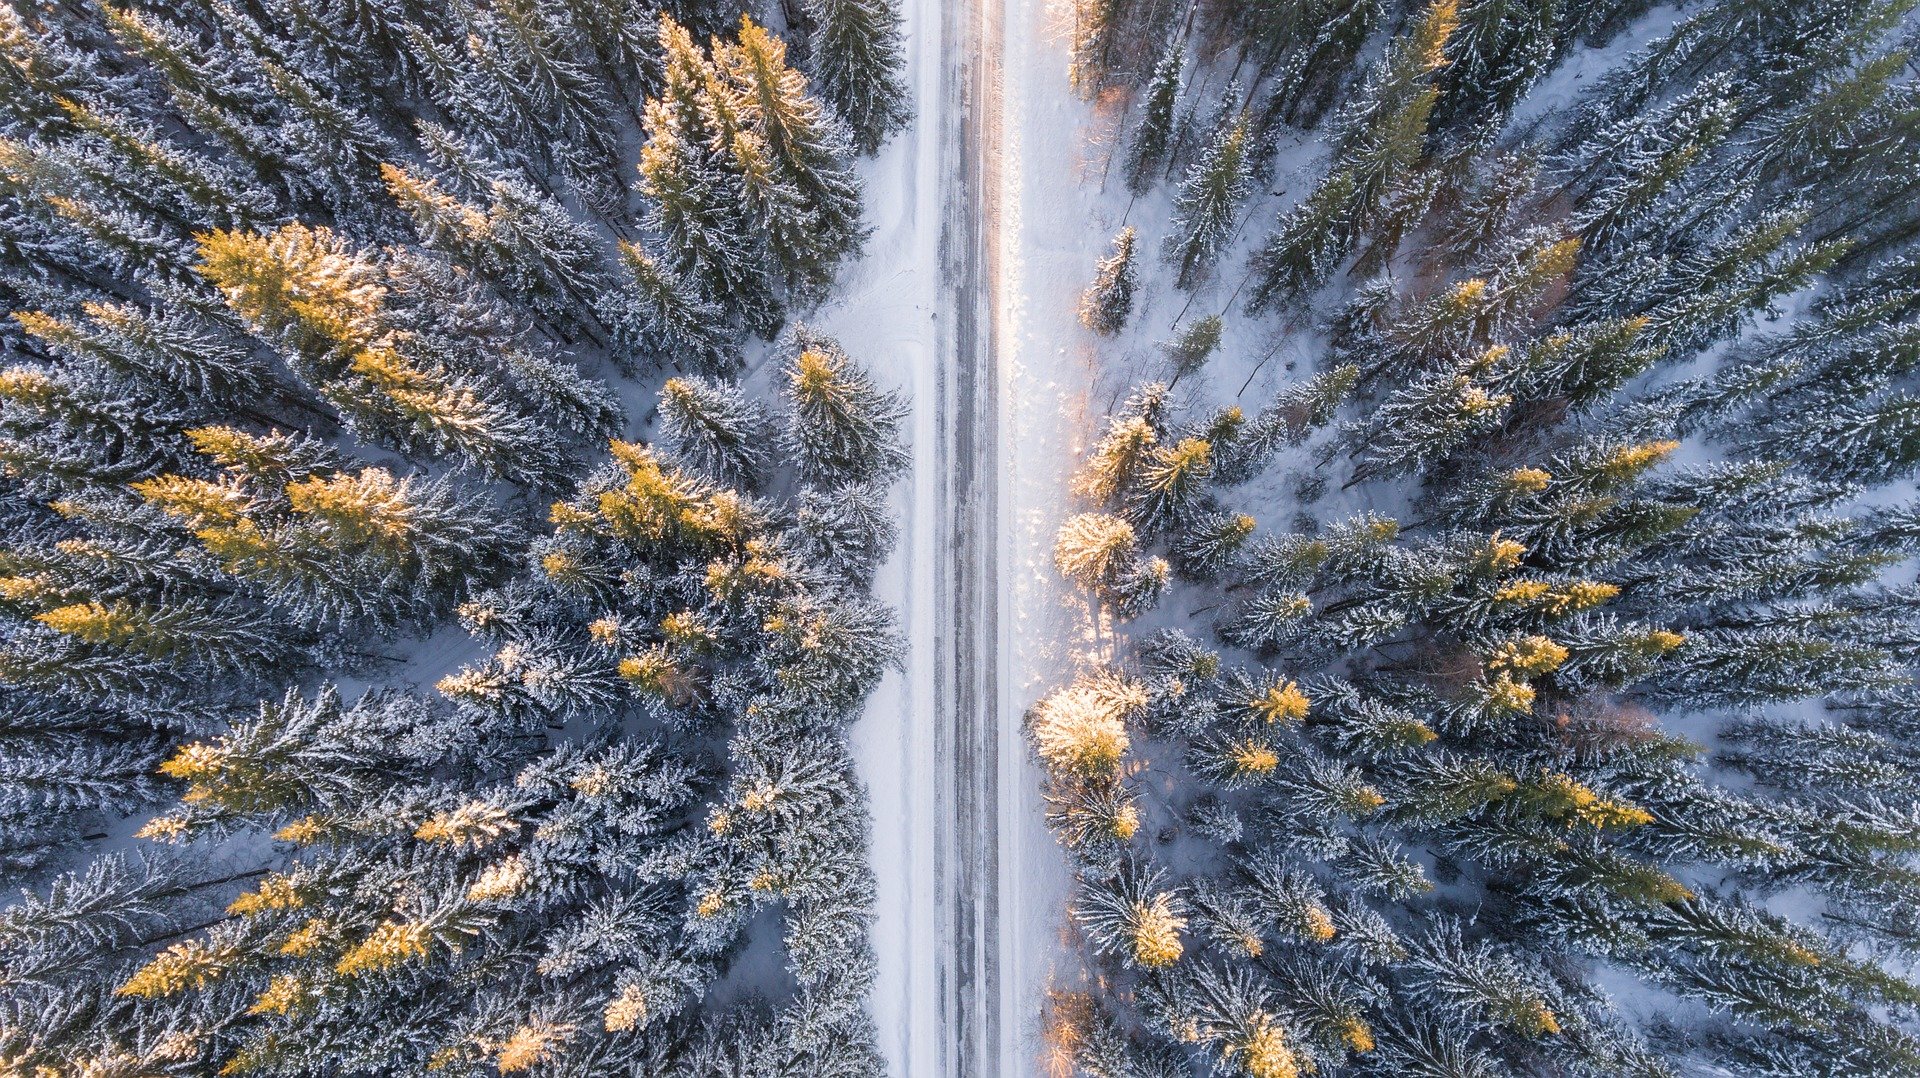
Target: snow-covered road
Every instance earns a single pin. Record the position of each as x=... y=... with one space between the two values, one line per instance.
x=971 y=890
x=968 y=715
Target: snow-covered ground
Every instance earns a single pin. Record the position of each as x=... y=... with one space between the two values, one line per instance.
x=884 y=314
x=1049 y=233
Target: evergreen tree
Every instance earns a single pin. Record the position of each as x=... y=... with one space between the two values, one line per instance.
x=716 y=430
x=1153 y=138
x=1378 y=137
x=1172 y=485
x=1432 y=417
x=1378 y=142
x=1094 y=549
x=697 y=210
x=147 y=168
x=695 y=198
x=176 y=348
x=657 y=312
x=332 y=545
x=1631 y=166
x=1116 y=461
x=1302 y=253
x=1097 y=26
x=1234 y=1014
x=855 y=56
x=850 y=528
x=1208 y=199
x=328 y=308
x=1134 y=916
x=1108 y=302
x=1477 y=983
x=522 y=239
x=805 y=147
x=1210 y=546
x=1195 y=344
x=840 y=427
x=1082 y=729
x=1500 y=51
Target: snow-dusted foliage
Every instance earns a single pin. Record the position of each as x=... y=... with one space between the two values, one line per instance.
x=327 y=326
x=1530 y=694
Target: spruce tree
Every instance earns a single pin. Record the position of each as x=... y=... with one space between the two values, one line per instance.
x=1116 y=461
x=854 y=54
x=327 y=305
x=1501 y=50
x=1153 y=138
x=1195 y=345
x=850 y=528
x=1108 y=302
x=840 y=427
x=1432 y=417
x=806 y=146
x=716 y=430
x=1094 y=549
x=1302 y=253
x=694 y=195
x=695 y=207
x=1208 y=199
x=1172 y=485
x=658 y=314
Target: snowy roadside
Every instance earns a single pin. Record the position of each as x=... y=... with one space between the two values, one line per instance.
x=884 y=315
x=1051 y=227
x=934 y=969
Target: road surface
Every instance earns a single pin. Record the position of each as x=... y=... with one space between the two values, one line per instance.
x=968 y=711
x=970 y=885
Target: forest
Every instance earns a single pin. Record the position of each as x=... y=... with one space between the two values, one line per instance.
x=1527 y=687
x=453 y=506
x=436 y=579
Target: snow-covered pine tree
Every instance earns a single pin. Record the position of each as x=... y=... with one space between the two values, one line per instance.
x=1153 y=138
x=1500 y=51
x=1108 y=302
x=695 y=199
x=840 y=427
x=850 y=528
x=658 y=314
x=327 y=306
x=1209 y=198
x=1379 y=140
x=716 y=429
x=855 y=56
x=1195 y=344
x=806 y=147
